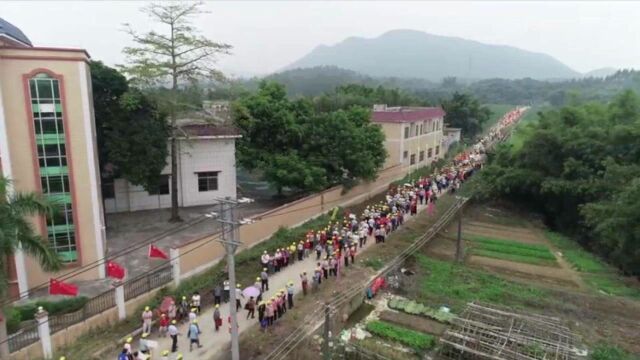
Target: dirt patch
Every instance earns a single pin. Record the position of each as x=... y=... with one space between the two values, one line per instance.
x=418 y=323
x=545 y=275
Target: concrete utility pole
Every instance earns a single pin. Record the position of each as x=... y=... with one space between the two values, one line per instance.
x=229 y=229
x=459 y=255
x=326 y=350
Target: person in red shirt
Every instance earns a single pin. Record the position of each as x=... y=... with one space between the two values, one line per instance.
x=164 y=324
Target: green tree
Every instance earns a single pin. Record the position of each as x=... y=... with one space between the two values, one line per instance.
x=132 y=134
x=579 y=166
x=176 y=54
x=296 y=147
x=465 y=112
x=16 y=232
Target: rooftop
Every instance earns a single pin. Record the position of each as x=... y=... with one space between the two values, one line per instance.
x=405 y=114
x=13 y=33
x=199 y=128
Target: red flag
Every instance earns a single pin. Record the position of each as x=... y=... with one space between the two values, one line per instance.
x=57 y=287
x=155 y=252
x=114 y=270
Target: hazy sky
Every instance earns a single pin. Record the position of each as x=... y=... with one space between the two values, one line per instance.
x=268 y=35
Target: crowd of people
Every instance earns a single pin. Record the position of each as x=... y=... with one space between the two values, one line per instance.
x=332 y=248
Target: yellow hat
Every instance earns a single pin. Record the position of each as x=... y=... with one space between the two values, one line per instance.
x=146 y=308
x=193 y=309
x=184 y=298
x=264 y=269
x=129 y=340
x=144 y=335
x=290 y=282
x=165 y=352
x=217 y=306
x=174 y=322
x=63 y=358
x=258 y=278
x=179 y=357
x=237 y=285
x=195 y=321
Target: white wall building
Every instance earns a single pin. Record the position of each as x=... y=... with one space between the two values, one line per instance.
x=206 y=169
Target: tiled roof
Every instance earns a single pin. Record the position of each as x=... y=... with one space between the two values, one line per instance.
x=403 y=115
x=8 y=29
x=196 y=130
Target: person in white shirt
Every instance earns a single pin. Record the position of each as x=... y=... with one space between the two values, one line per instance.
x=195 y=301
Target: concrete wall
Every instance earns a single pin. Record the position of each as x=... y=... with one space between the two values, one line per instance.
x=69 y=335
x=397 y=145
x=196 y=155
x=200 y=254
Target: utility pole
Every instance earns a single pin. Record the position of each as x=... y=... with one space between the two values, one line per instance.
x=326 y=350
x=230 y=243
x=459 y=255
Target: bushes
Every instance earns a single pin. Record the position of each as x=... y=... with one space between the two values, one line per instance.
x=413 y=339
x=604 y=351
x=17 y=314
x=582 y=260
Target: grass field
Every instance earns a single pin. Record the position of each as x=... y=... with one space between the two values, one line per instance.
x=595 y=272
x=511 y=250
x=455 y=285
x=520 y=132
x=497 y=111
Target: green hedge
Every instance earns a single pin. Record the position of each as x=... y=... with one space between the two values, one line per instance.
x=413 y=339
x=17 y=314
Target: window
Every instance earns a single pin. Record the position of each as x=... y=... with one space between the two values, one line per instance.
x=429 y=152
x=405 y=154
x=208 y=181
x=56 y=184
x=52 y=155
x=163 y=186
x=47 y=116
x=406 y=132
x=437 y=149
x=421 y=158
x=413 y=159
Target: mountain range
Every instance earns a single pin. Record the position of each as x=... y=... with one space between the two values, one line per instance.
x=416 y=54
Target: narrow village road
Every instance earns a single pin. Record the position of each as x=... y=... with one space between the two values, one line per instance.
x=213 y=342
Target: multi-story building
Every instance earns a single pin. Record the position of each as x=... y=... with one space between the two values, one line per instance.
x=48 y=145
x=413 y=134
x=206 y=172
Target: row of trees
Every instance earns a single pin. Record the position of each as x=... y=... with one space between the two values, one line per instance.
x=300 y=148
x=579 y=166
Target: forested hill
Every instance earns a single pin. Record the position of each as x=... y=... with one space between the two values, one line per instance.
x=415 y=54
x=320 y=79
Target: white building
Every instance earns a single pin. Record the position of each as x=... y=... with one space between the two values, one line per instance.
x=452 y=135
x=206 y=169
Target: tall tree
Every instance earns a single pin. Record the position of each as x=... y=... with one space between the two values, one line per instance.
x=301 y=149
x=465 y=112
x=16 y=232
x=177 y=53
x=132 y=133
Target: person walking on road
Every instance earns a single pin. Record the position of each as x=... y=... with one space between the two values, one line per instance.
x=290 y=291
x=264 y=279
x=147 y=316
x=194 y=335
x=227 y=287
x=217 y=295
x=250 y=306
x=238 y=296
x=305 y=282
x=217 y=318
x=173 y=333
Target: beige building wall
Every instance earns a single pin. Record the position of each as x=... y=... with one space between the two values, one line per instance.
x=19 y=155
x=400 y=149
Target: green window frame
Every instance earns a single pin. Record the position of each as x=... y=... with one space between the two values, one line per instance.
x=48 y=118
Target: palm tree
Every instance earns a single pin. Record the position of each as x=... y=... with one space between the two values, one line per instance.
x=16 y=232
